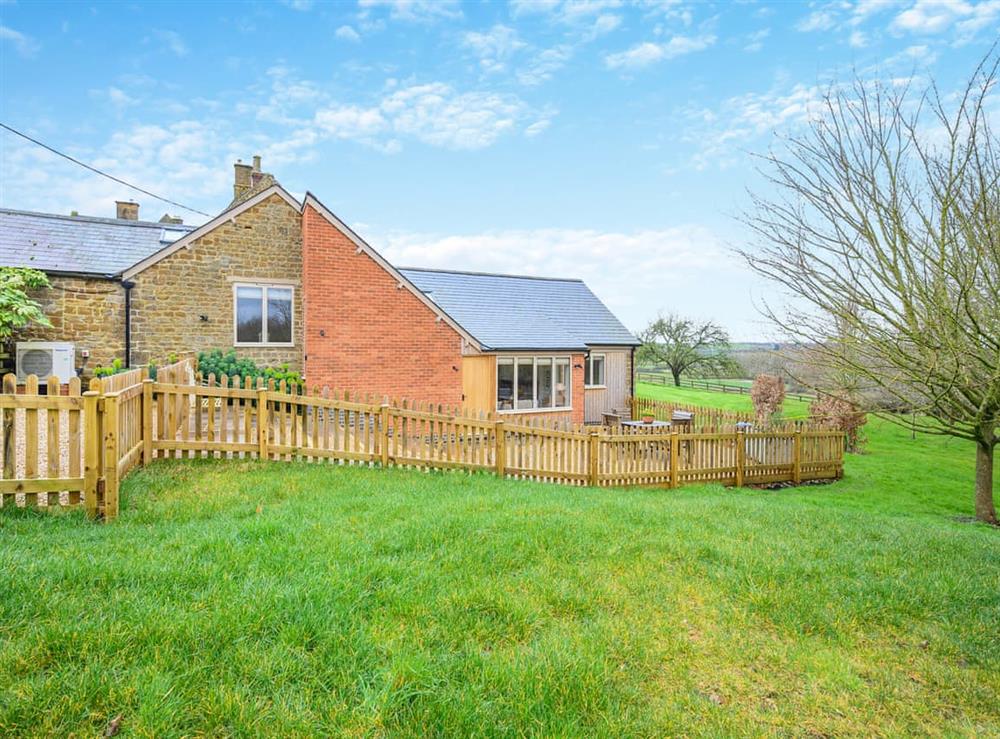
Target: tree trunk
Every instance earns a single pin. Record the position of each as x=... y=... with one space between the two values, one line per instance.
x=985 y=511
x=677 y=377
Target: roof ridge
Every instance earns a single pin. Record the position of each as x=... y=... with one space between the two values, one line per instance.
x=490 y=274
x=99 y=219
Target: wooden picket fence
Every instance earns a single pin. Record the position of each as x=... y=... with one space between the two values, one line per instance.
x=663 y=410
x=110 y=432
x=218 y=417
x=61 y=451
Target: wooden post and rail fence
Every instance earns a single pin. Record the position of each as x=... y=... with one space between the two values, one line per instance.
x=103 y=434
x=657 y=377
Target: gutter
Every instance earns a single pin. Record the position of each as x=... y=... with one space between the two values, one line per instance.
x=81 y=275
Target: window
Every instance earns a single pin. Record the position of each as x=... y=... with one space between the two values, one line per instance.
x=593 y=371
x=263 y=314
x=533 y=383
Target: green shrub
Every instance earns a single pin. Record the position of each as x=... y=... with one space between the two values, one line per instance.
x=171 y=359
x=218 y=363
x=114 y=368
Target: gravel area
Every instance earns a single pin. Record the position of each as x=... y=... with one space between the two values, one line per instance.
x=43 y=450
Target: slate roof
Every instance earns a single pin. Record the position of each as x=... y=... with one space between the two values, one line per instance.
x=80 y=244
x=510 y=312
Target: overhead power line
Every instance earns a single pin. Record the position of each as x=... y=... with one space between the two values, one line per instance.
x=103 y=174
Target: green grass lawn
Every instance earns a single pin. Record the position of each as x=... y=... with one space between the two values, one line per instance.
x=247 y=598
x=713 y=399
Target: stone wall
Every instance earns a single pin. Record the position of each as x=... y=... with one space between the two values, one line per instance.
x=170 y=297
x=88 y=312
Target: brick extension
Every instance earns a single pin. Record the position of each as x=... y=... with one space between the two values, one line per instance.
x=364 y=332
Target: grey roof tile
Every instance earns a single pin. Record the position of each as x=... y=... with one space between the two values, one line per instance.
x=517 y=312
x=98 y=246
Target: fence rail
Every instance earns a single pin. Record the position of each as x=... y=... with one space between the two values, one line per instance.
x=241 y=418
x=700 y=417
x=219 y=419
x=664 y=378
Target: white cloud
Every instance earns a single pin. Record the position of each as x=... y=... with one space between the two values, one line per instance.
x=628 y=270
x=605 y=24
x=494 y=47
x=646 y=53
x=719 y=137
x=544 y=64
x=818 y=20
x=912 y=56
x=301 y=5
x=351 y=122
x=755 y=41
x=191 y=160
x=858 y=39
x=537 y=127
x=435 y=114
x=415 y=10
x=173 y=42
x=116 y=96
x=24 y=45
x=937 y=16
x=589 y=17
x=864 y=9
x=346 y=33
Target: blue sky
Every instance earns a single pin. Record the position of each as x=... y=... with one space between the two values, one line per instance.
x=602 y=139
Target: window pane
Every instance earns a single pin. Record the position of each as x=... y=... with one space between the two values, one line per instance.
x=279 y=315
x=543 y=382
x=586 y=371
x=249 y=322
x=562 y=383
x=505 y=384
x=525 y=383
x=598 y=371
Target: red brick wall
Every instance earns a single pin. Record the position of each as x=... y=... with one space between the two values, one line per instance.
x=375 y=337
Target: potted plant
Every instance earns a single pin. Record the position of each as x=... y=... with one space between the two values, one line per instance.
x=647 y=419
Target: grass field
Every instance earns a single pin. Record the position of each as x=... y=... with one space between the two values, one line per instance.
x=712 y=399
x=240 y=598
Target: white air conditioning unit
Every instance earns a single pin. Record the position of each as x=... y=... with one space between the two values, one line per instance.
x=44 y=358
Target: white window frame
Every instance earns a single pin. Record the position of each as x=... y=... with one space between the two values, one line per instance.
x=562 y=359
x=265 y=286
x=588 y=370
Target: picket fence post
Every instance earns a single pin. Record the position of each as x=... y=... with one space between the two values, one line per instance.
x=675 y=453
x=91 y=451
x=262 y=422
x=147 y=421
x=383 y=437
x=595 y=459
x=500 y=437
x=111 y=453
x=797 y=456
x=740 y=457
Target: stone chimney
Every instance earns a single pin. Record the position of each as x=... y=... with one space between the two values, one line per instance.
x=249 y=180
x=126 y=210
x=241 y=182
x=167 y=218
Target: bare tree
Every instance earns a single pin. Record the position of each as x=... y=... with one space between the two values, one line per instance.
x=883 y=228
x=683 y=344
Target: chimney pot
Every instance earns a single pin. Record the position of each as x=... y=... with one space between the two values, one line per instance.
x=126 y=210
x=256 y=163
